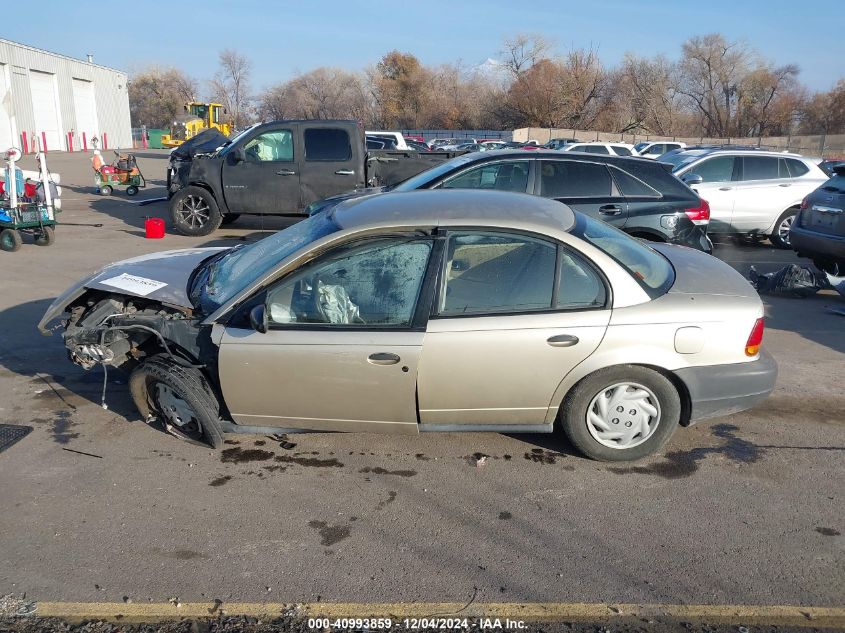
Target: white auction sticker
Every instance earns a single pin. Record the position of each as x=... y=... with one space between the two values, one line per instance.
x=136 y=285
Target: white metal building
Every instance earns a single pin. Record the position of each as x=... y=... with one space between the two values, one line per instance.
x=61 y=100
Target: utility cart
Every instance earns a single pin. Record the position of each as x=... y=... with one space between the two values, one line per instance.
x=26 y=208
x=124 y=172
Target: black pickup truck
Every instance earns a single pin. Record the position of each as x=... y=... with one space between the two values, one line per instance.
x=279 y=168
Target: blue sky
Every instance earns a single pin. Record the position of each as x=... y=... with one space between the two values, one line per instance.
x=283 y=38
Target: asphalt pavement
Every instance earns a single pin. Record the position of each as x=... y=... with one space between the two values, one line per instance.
x=97 y=507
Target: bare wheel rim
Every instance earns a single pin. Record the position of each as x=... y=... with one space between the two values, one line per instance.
x=623 y=415
x=783 y=228
x=194 y=211
x=179 y=417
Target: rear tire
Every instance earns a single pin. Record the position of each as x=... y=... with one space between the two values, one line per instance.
x=47 y=237
x=780 y=237
x=194 y=211
x=180 y=398
x=131 y=190
x=105 y=190
x=10 y=240
x=650 y=411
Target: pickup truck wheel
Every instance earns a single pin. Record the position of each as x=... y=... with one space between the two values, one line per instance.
x=621 y=413
x=179 y=398
x=780 y=237
x=194 y=212
x=230 y=218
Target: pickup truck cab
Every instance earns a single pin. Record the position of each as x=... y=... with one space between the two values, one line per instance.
x=279 y=168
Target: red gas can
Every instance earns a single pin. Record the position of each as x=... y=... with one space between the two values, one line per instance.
x=154 y=228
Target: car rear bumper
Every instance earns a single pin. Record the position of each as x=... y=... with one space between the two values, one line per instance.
x=815 y=245
x=717 y=390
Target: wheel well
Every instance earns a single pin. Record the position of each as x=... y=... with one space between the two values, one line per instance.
x=683 y=392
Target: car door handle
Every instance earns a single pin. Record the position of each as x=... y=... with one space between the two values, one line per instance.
x=345 y=172
x=383 y=358
x=610 y=209
x=725 y=188
x=562 y=340
x=785 y=184
x=286 y=172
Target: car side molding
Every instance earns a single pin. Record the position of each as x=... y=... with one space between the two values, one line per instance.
x=487 y=428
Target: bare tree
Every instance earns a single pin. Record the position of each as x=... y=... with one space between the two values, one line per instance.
x=231 y=85
x=524 y=50
x=158 y=94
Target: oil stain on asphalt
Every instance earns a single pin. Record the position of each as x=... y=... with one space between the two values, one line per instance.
x=680 y=464
x=219 y=481
x=382 y=471
x=60 y=430
x=330 y=534
x=826 y=531
x=391 y=497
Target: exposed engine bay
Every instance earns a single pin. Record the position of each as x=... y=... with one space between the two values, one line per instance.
x=120 y=331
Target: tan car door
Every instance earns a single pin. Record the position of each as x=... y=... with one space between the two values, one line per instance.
x=515 y=314
x=343 y=344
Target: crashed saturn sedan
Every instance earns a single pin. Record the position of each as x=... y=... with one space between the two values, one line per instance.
x=430 y=311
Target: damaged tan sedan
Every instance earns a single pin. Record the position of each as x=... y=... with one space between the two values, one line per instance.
x=429 y=311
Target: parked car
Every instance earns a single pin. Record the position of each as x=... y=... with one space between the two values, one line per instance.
x=429 y=311
x=608 y=149
x=818 y=231
x=656 y=148
x=471 y=147
x=557 y=143
x=439 y=142
x=396 y=136
x=638 y=196
x=414 y=137
x=494 y=144
x=417 y=146
x=278 y=168
x=751 y=192
x=828 y=166
x=380 y=142
x=451 y=147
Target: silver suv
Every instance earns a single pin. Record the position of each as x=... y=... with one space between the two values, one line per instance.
x=751 y=192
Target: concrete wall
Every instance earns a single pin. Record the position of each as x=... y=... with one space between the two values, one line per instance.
x=17 y=61
x=829 y=146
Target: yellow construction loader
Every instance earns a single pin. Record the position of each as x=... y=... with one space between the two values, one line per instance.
x=197 y=118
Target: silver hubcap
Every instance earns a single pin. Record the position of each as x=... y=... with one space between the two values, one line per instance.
x=178 y=414
x=783 y=229
x=623 y=415
x=194 y=211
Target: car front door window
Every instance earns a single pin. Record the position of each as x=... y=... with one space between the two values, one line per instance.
x=717 y=169
x=502 y=176
x=270 y=147
x=375 y=283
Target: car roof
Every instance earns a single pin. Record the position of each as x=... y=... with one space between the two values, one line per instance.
x=455 y=207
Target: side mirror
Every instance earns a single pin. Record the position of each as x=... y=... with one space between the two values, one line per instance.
x=692 y=179
x=237 y=155
x=258 y=318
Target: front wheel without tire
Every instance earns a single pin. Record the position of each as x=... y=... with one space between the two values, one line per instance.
x=10 y=240
x=179 y=398
x=194 y=212
x=780 y=236
x=621 y=413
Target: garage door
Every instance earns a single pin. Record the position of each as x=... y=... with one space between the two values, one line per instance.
x=7 y=139
x=44 y=107
x=85 y=106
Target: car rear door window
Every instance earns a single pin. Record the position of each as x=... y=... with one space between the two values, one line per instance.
x=621 y=150
x=759 y=168
x=327 y=144
x=594 y=149
x=574 y=179
x=796 y=167
x=716 y=169
x=631 y=186
x=579 y=285
x=503 y=176
x=497 y=273
x=369 y=284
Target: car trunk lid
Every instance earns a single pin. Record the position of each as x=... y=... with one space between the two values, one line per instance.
x=699 y=273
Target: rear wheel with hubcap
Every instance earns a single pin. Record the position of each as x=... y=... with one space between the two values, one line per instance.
x=178 y=397
x=194 y=212
x=780 y=237
x=621 y=413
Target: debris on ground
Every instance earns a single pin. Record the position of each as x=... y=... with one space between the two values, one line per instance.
x=11 y=605
x=283 y=441
x=790 y=281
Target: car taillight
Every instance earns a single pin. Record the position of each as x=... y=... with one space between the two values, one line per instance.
x=805 y=204
x=699 y=214
x=752 y=347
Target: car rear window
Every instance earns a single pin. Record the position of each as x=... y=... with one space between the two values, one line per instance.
x=327 y=144
x=651 y=270
x=631 y=186
x=835 y=185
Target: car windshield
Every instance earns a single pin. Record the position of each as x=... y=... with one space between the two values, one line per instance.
x=640 y=146
x=240 y=267
x=652 y=270
x=681 y=159
x=237 y=138
x=421 y=180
